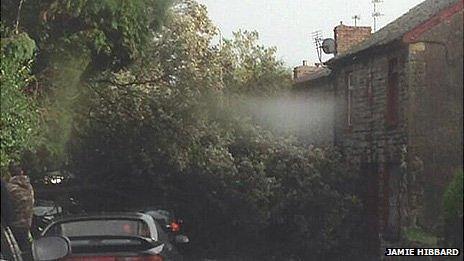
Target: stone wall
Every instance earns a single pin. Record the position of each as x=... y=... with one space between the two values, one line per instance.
x=416 y=157
x=407 y=165
x=436 y=114
x=370 y=140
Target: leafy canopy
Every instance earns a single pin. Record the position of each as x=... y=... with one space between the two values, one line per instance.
x=116 y=31
x=19 y=115
x=165 y=131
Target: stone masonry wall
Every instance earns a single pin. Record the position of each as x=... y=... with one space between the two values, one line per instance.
x=370 y=140
x=415 y=159
x=436 y=115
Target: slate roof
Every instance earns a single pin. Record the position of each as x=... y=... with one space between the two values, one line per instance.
x=402 y=25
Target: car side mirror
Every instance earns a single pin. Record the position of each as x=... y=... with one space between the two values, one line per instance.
x=181 y=239
x=50 y=248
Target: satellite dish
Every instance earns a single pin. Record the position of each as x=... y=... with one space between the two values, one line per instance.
x=328 y=46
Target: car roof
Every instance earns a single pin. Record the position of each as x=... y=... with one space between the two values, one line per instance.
x=103 y=215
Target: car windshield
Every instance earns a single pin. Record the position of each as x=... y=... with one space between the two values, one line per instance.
x=160 y=215
x=101 y=227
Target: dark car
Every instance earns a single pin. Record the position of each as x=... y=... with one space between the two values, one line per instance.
x=114 y=237
x=166 y=219
x=172 y=227
x=44 y=212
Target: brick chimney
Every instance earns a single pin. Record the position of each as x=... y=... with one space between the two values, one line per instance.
x=349 y=36
x=302 y=70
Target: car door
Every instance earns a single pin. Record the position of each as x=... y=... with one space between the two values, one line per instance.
x=9 y=248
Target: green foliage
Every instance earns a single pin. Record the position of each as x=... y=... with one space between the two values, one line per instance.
x=115 y=31
x=19 y=117
x=453 y=199
x=421 y=237
x=255 y=81
x=77 y=40
x=453 y=210
x=315 y=209
x=18 y=48
x=252 y=69
x=175 y=73
x=154 y=113
x=163 y=130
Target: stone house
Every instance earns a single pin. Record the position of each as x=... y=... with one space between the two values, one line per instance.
x=314 y=84
x=398 y=115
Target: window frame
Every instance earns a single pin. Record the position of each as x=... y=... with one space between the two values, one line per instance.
x=349 y=98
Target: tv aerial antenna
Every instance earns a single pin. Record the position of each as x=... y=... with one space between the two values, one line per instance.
x=317 y=37
x=376 y=14
x=356 y=18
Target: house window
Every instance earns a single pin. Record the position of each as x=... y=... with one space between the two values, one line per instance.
x=392 y=112
x=349 y=99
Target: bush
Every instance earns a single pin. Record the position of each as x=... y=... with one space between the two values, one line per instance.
x=453 y=207
x=164 y=134
x=19 y=117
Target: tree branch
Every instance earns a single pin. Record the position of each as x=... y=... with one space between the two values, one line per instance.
x=18 y=16
x=137 y=82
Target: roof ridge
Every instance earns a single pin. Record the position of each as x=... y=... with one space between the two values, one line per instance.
x=401 y=25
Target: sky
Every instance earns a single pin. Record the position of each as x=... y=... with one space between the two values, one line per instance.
x=288 y=24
